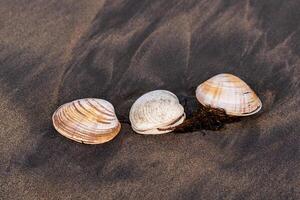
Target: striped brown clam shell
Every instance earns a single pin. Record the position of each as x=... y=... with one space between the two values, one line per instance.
x=230 y=93
x=89 y=121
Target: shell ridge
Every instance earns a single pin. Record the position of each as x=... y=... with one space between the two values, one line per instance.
x=87 y=118
x=66 y=125
x=99 y=111
x=109 y=111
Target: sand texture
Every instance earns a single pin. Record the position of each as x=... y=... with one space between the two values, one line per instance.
x=55 y=51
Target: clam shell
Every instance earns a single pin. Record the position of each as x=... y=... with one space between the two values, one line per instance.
x=156 y=112
x=230 y=93
x=89 y=121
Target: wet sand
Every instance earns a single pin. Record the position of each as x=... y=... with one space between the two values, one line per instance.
x=52 y=52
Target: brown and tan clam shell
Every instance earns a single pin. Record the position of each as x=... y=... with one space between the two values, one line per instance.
x=89 y=121
x=230 y=93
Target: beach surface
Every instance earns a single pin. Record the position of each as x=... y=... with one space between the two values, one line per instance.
x=56 y=51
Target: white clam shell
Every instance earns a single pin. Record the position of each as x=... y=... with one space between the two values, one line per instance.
x=89 y=121
x=230 y=93
x=156 y=112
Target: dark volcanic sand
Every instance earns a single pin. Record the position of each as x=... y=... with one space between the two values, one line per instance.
x=55 y=51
